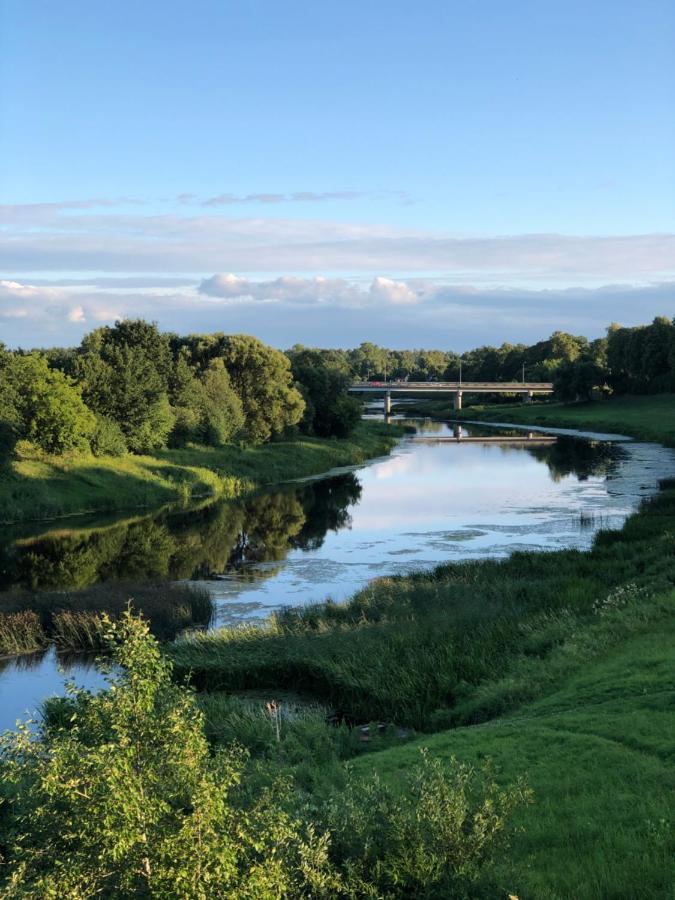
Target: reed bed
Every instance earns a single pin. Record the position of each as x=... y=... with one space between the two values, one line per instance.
x=21 y=632
x=73 y=620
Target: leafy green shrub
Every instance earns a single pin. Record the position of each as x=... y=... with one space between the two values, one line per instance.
x=141 y=806
x=144 y=808
x=107 y=439
x=432 y=837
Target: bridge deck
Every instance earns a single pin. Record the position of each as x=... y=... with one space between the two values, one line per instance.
x=440 y=387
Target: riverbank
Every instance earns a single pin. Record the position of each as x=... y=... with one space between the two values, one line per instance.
x=598 y=754
x=557 y=666
x=36 y=487
x=454 y=645
x=647 y=418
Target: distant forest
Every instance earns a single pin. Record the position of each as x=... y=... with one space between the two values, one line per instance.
x=628 y=360
x=133 y=388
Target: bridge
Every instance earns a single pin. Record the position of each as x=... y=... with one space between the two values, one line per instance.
x=526 y=389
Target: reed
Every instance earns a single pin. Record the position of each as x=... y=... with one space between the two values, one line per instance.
x=82 y=631
x=21 y=632
x=74 y=619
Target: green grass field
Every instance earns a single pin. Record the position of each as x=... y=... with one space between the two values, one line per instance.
x=599 y=753
x=650 y=418
x=36 y=487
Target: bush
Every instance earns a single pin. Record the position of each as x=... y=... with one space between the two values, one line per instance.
x=131 y=784
x=107 y=439
x=431 y=838
x=144 y=808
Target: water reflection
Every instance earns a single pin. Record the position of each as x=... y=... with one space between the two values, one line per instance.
x=419 y=483
x=190 y=543
x=25 y=681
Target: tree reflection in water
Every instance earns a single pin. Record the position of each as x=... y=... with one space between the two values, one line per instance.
x=200 y=542
x=220 y=537
x=582 y=458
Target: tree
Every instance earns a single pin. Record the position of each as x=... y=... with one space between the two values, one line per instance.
x=10 y=420
x=329 y=410
x=369 y=361
x=125 y=374
x=262 y=378
x=578 y=379
x=223 y=413
x=51 y=412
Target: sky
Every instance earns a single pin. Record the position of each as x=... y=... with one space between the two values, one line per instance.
x=417 y=174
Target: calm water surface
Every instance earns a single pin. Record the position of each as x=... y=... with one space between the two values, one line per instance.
x=431 y=501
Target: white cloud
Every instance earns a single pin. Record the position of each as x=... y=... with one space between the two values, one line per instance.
x=76 y=314
x=385 y=290
x=335 y=312
x=318 y=290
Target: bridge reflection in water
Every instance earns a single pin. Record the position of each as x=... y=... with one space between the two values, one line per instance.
x=530 y=439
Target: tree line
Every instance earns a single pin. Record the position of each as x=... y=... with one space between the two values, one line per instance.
x=626 y=360
x=133 y=388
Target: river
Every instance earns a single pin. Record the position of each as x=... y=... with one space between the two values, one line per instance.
x=432 y=500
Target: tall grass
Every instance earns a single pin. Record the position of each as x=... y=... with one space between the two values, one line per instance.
x=21 y=632
x=419 y=649
x=82 y=630
x=73 y=620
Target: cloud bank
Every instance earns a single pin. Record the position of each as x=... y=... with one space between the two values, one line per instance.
x=77 y=237
x=68 y=267
x=331 y=311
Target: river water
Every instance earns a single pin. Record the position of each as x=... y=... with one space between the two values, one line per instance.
x=433 y=500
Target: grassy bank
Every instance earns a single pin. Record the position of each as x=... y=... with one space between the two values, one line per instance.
x=35 y=487
x=558 y=666
x=598 y=753
x=649 y=418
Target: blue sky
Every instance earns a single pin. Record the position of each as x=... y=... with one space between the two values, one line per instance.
x=443 y=173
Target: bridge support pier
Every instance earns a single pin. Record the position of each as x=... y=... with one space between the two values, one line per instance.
x=529 y=397
x=457 y=400
x=387 y=403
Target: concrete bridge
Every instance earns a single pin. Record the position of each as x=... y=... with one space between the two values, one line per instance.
x=527 y=389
